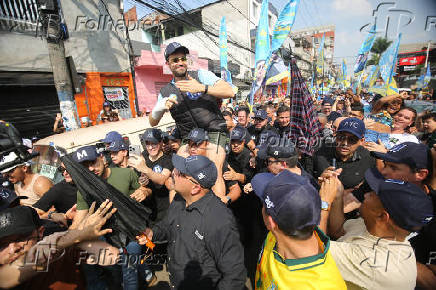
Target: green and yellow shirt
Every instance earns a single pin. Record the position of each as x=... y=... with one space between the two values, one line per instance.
x=314 y=272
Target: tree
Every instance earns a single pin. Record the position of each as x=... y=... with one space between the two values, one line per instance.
x=380 y=45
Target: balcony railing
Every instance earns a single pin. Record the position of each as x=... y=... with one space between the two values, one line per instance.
x=18 y=15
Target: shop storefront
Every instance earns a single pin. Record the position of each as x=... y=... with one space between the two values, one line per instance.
x=115 y=88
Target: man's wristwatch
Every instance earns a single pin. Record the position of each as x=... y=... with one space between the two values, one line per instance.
x=325 y=205
x=206 y=88
x=229 y=200
x=50 y=214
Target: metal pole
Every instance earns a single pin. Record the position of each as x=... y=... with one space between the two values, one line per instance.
x=428 y=49
x=131 y=56
x=62 y=79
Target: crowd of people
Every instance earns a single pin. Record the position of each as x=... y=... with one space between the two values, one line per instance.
x=233 y=198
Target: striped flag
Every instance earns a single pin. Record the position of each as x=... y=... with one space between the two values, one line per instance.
x=320 y=59
x=364 y=50
x=262 y=48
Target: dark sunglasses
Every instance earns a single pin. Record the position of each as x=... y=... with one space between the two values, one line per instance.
x=61 y=169
x=177 y=59
x=350 y=139
x=178 y=173
x=269 y=161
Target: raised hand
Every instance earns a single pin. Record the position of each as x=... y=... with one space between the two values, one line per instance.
x=190 y=85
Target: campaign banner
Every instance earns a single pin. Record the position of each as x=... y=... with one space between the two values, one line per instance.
x=413 y=60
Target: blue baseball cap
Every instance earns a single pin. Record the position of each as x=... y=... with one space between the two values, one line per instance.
x=152 y=135
x=289 y=199
x=328 y=101
x=333 y=116
x=353 y=126
x=198 y=167
x=408 y=205
x=117 y=145
x=277 y=151
x=7 y=197
x=85 y=153
x=415 y=155
x=175 y=134
x=18 y=220
x=106 y=104
x=198 y=135
x=173 y=47
x=268 y=137
x=238 y=133
x=111 y=137
x=261 y=114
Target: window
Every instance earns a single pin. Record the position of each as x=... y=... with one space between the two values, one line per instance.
x=179 y=30
x=255 y=10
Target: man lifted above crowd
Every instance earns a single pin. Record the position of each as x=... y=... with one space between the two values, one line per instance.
x=191 y=97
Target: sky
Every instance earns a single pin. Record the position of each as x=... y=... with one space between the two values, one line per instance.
x=416 y=20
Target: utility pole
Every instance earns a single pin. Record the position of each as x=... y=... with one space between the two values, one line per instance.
x=51 y=29
x=132 y=64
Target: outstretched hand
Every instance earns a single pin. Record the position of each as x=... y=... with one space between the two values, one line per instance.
x=138 y=162
x=94 y=221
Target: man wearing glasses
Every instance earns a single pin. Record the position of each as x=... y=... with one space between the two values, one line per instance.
x=204 y=251
x=191 y=97
x=346 y=153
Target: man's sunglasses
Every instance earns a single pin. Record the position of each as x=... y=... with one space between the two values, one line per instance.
x=350 y=139
x=61 y=169
x=177 y=59
x=178 y=173
x=271 y=161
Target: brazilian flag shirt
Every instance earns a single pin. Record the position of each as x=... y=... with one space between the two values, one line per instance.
x=314 y=272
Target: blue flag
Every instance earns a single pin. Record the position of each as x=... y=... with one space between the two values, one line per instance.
x=320 y=59
x=262 y=49
x=388 y=61
x=225 y=73
x=427 y=77
x=364 y=50
x=284 y=24
x=275 y=67
x=344 y=74
x=370 y=76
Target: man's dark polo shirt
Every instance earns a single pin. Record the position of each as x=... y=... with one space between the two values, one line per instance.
x=241 y=163
x=353 y=170
x=204 y=250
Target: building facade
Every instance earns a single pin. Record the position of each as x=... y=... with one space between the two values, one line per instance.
x=198 y=29
x=411 y=63
x=94 y=39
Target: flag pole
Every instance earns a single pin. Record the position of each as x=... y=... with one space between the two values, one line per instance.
x=428 y=49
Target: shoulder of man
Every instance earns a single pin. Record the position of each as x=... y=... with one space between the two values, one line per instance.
x=216 y=208
x=121 y=172
x=325 y=151
x=207 y=77
x=364 y=153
